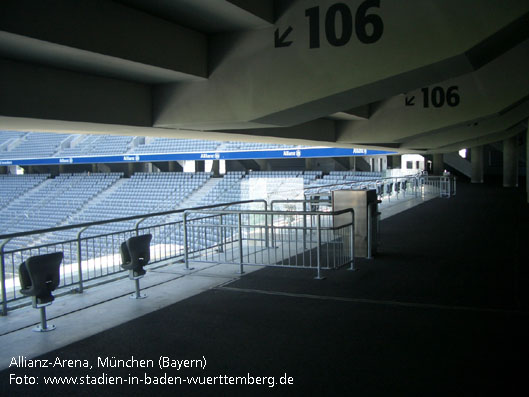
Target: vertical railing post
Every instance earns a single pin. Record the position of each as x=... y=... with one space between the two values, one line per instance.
x=267 y=240
x=80 y=260
x=221 y=234
x=239 y=229
x=272 y=237
x=186 y=254
x=352 y=242
x=205 y=237
x=4 y=289
x=304 y=226
x=318 y=248
x=369 y=230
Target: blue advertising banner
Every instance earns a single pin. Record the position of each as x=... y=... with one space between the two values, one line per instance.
x=311 y=152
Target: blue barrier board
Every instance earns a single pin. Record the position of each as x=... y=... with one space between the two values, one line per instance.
x=311 y=152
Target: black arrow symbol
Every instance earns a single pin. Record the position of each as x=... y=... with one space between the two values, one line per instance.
x=280 y=41
x=410 y=101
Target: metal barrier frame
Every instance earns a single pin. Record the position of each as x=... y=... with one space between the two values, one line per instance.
x=419 y=183
x=444 y=186
x=385 y=187
x=80 y=240
x=269 y=228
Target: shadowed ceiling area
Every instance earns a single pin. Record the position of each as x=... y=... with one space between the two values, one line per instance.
x=421 y=76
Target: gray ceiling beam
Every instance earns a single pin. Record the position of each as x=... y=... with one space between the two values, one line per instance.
x=482 y=140
x=40 y=92
x=99 y=37
x=472 y=130
x=278 y=83
x=462 y=100
x=210 y=16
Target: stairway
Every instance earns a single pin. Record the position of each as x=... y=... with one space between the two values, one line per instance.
x=458 y=163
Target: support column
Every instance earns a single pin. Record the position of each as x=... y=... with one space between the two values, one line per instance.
x=174 y=166
x=510 y=163
x=215 y=168
x=135 y=167
x=264 y=165
x=94 y=168
x=438 y=164
x=130 y=170
x=200 y=166
x=352 y=163
x=476 y=160
x=309 y=164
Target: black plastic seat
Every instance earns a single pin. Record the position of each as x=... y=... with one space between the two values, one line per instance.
x=135 y=254
x=39 y=276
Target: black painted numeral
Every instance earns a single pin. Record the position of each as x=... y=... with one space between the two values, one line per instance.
x=330 y=24
x=452 y=96
x=314 y=26
x=438 y=97
x=368 y=27
x=363 y=20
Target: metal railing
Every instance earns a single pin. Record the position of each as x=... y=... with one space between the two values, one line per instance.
x=91 y=256
x=386 y=188
x=291 y=239
x=444 y=186
x=292 y=234
x=393 y=187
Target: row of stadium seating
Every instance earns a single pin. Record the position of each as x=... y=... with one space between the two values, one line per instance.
x=10 y=136
x=346 y=174
x=254 y=146
x=96 y=145
x=33 y=145
x=14 y=186
x=169 y=145
x=15 y=144
x=38 y=201
x=51 y=203
x=143 y=193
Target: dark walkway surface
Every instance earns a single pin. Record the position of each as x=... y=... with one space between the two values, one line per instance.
x=442 y=310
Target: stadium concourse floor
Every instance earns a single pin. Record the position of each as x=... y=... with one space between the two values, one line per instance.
x=443 y=309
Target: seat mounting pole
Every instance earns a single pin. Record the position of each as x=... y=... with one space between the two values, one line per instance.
x=43 y=327
x=138 y=295
x=43 y=322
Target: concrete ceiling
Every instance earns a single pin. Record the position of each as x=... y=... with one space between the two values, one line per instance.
x=415 y=76
x=211 y=16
